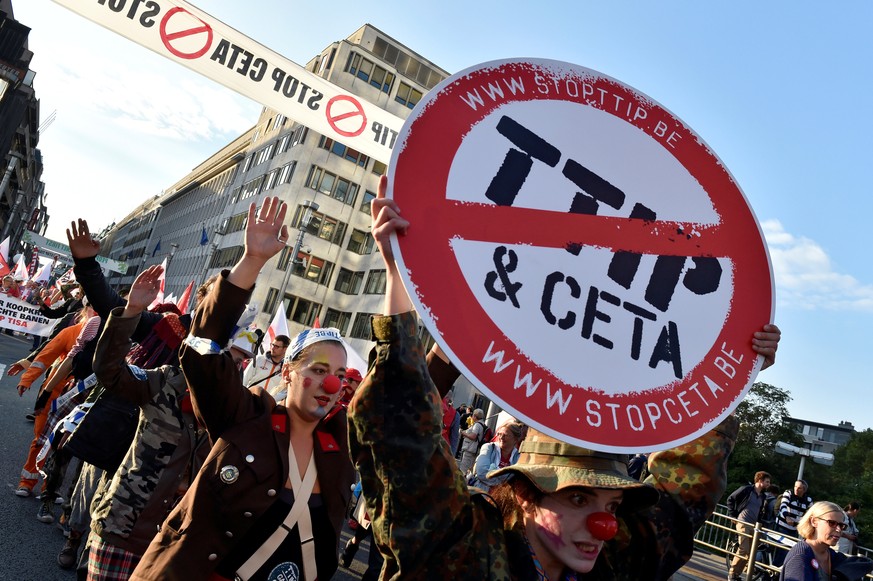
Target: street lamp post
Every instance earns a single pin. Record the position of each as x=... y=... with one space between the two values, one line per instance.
x=308 y=208
x=804 y=453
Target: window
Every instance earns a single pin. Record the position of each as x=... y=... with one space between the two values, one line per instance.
x=226 y=257
x=251 y=188
x=264 y=154
x=283 y=143
x=370 y=72
x=379 y=168
x=272 y=299
x=298 y=136
x=337 y=148
x=271 y=180
x=375 y=283
x=301 y=310
x=323 y=226
x=234 y=198
x=235 y=223
x=313 y=268
x=332 y=185
x=365 y=202
x=407 y=95
x=286 y=173
x=247 y=163
x=279 y=122
x=338 y=319
x=360 y=242
x=349 y=282
x=361 y=329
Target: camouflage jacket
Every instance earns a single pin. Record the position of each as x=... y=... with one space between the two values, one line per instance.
x=167 y=450
x=428 y=526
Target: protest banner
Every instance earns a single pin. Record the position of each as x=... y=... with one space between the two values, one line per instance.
x=580 y=253
x=190 y=37
x=56 y=247
x=18 y=315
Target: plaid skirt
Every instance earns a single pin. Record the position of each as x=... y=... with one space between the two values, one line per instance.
x=109 y=563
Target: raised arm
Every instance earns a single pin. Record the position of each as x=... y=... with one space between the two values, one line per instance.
x=110 y=365
x=88 y=273
x=213 y=378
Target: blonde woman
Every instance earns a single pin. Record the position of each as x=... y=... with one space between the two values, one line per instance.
x=813 y=558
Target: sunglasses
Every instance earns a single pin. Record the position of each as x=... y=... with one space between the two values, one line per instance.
x=840 y=526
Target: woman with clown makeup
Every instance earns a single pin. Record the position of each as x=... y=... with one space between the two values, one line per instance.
x=270 y=500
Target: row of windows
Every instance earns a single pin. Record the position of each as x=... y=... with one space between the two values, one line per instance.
x=332 y=185
x=337 y=148
x=264 y=183
x=334 y=231
x=322 y=225
x=342 y=189
x=307 y=266
x=368 y=71
x=226 y=257
x=407 y=65
x=304 y=312
x=381 y=79
x=285 y=143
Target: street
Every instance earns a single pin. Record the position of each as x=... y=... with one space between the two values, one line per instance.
x=29 y=548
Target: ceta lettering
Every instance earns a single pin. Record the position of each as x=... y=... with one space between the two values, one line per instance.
x=666 y=348
x=227 y=53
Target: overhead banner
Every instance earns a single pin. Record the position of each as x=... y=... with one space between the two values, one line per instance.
x=51 y=246
x=188 y=36
x=18 y=315
x=580 y=253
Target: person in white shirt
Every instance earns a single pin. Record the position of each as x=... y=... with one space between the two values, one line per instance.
x=265 y=370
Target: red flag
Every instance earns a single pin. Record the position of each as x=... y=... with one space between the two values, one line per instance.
x=316 y=324
x=185 y=298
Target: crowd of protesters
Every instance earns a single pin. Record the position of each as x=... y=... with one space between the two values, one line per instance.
x=241 y=465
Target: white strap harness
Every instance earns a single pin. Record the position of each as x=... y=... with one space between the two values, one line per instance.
x=298 y=516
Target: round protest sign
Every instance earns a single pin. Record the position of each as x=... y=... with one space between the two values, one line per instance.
x=581 y=254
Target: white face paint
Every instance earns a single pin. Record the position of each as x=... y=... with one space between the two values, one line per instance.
x=306 y=397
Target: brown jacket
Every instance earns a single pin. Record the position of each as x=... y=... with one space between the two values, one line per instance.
x=248 y=464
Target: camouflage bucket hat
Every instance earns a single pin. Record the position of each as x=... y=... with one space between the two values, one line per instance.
x=552 y=465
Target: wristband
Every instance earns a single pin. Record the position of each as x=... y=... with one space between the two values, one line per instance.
x=203 y=346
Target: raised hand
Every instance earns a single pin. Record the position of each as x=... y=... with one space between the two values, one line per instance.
x=144 y=290
x=266 y=235
x=385 y=222
x=80 y=241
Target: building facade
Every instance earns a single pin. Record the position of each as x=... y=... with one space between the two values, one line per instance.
x=22 y=193
x=336 y=277
x=820 y=437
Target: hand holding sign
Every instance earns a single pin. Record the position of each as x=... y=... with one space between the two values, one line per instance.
x=576 y=252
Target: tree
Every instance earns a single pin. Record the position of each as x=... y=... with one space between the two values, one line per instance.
x=763 y=418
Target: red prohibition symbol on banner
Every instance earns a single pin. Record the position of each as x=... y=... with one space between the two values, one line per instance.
x=581 y=254
x=186 y=37
x=346 y=115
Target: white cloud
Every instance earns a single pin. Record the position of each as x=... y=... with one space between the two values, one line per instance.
x=805 y=277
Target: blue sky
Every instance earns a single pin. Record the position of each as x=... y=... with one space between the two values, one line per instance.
x=777 y=89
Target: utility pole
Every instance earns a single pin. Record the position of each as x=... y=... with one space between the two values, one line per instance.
x=308 y=208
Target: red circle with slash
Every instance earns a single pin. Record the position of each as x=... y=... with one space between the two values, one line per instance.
x=525 y=182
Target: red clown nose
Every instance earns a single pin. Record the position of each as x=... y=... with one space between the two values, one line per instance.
x=602 y=525
x=331 y=384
